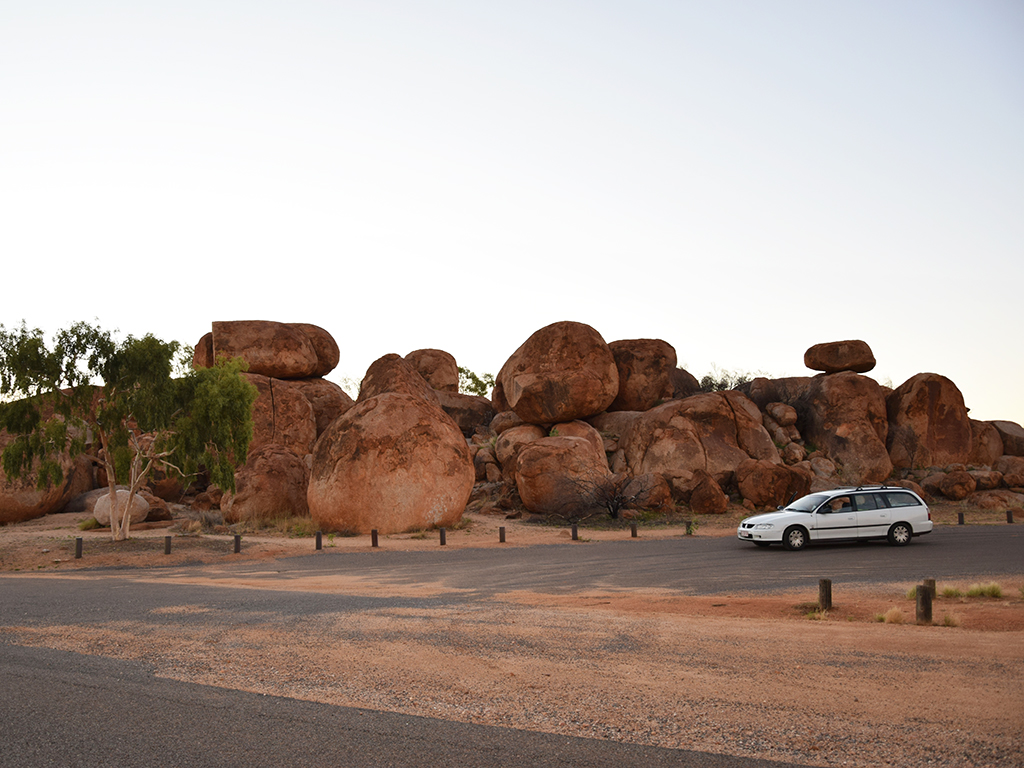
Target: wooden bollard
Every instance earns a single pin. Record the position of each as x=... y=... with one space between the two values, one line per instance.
x=501 y=535
x=632 y=530
x=924 y=604
x=167 y=545
x=319 y=540
x=444 y=539
x=78 y=548
x=959 y=518
x=238 y=543
x=1009 y=516
x=575 y=533
x=930 y=584
x=373 y=538
x=824 y=594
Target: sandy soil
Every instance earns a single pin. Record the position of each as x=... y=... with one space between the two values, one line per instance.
x=762 y=676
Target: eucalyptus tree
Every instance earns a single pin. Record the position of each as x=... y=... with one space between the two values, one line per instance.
x=130 y=405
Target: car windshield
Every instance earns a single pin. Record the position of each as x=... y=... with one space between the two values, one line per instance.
x=808 y=503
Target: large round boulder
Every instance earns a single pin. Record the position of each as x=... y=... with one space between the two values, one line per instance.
x=560 y=475
x=137 y=513
x=987 y=443
x=394 y=462
x=272 y=484
x=392 y=373
x=563 y=372
x=645 y=369
x=928 y=423
x=1012 y=435
x=437 y=367
x=836 y=356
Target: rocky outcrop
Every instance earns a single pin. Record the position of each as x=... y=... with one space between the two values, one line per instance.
x=272 y=484
x=511 y=442
x=281 y=415
x=986 y=444
x=392 y=373
x=1012 y=470
x=928 y=423
x=328 y=400
x=845 y=415
x=838 y=356
x=21 y=499
x=277 y=350
x=645 y=369
x=437 y=367
x=471 y=412
x=394 y=462
x=559 y=475
x=713 y=432
x=1012 y=435
x=684 y=383
x=563 y=372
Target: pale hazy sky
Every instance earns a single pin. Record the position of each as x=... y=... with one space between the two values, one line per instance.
x=741 y=179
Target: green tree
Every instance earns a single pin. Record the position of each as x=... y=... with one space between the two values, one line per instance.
x=130 y=405
x=471 y=384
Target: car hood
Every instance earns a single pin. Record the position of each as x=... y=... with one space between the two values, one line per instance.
x=772 y=517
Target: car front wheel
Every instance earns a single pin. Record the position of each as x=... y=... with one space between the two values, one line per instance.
x=795 y=538
x=900 y=534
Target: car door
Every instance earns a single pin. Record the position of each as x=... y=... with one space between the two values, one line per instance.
x=835 y=519
x=873 y=516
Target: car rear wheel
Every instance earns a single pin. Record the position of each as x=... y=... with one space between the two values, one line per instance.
x=795 y=538
x=900 y=534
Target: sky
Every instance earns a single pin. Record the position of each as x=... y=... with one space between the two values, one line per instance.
x=740 y=179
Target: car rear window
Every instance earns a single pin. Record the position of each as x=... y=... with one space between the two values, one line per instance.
x=901 y=499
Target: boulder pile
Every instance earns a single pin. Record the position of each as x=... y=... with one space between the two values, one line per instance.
x=575 y=424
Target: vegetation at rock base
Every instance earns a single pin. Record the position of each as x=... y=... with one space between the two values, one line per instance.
x=131 y=406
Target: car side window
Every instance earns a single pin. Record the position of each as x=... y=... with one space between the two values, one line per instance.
x=865 y=501
x=901 y=500
x=838 y=504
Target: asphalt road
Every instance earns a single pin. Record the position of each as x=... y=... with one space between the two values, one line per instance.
x=692 y=565
x=64 y=709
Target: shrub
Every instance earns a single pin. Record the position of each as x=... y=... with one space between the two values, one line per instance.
x=892 y=616
x=991 y=589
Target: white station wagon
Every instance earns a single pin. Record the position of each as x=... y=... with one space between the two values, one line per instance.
x=866 y=512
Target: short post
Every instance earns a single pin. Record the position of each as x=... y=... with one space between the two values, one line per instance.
x=501 y=535
x=632 y=530
x=959 y=518
x=78 y=548
x=575 y=533
x=824 y=594
x=238 y=543
x=319 y=540
x=373 y=538
x=167 y=545
x=1009 y=516
x=443 y=538
x=924 y=604
x=930 y=584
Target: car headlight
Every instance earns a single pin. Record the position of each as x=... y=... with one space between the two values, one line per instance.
x=764 y=526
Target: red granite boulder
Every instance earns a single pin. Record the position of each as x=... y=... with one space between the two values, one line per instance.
x=563 y=372
x=394 y=462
